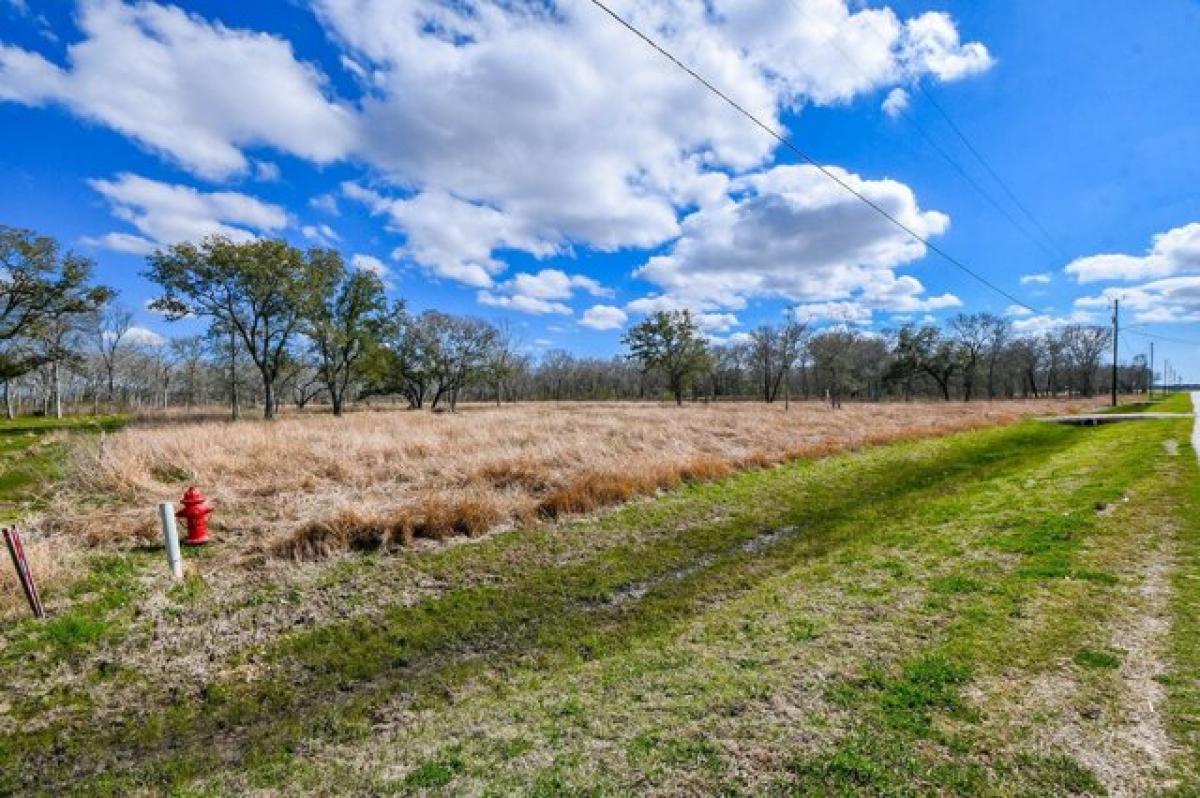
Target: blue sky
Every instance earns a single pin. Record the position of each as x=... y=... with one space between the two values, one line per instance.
x=536 y=163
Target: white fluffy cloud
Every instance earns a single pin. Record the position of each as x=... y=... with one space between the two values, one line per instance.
x=449 y=236
x=844 y=312
x=707 y=316
x=540 y=128
x=1036 y=279
x=1170 y=300
x=196 y=91
x=930 y=44
x=896 y=102
x=790 y=232
x=544 y=292
x=1036 y=325
x=321 y=234
x=164 y=213
x=604 y=317
x=1173 y=252
x=144 y=336
x=1172 y=266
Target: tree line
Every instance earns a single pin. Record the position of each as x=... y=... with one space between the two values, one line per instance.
x=303 y=328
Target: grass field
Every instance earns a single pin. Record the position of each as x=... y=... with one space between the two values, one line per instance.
x=310 y=485
x=32 y=464
x=1009 y=611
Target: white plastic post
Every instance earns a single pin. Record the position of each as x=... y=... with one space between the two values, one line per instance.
x=166 y=512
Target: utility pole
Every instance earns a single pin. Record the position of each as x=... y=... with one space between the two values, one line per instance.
x=1116 y=334
x=1151 y=388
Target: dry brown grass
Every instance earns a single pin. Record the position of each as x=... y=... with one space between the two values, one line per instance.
x=50 y=565
x=305 y=486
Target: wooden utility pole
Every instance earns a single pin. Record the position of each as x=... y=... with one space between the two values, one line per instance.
x=1116 y=334
x=1151 y=388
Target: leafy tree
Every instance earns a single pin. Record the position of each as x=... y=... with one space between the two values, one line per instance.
x=346 y=318
x=926 y=351
x=42 y=291
x=57 y=340
x=400 y=365
x=458 y=351
x=670 y=342
x=256 y=292
x=435 y=356
x=39 y=281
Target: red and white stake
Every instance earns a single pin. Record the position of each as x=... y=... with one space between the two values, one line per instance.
x=12 y=538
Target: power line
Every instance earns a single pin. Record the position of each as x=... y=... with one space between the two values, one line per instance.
x=786 y=142
x=938 y=148
x=976 y=153
x=987 y=166
x=1166 y=338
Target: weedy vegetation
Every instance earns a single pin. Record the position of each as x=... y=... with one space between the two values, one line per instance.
x=1002 y=611
x=308 y=486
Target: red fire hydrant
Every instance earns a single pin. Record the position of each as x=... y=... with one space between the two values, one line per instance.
x=196 y=513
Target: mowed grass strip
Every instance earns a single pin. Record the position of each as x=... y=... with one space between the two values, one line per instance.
x=890 y=665
x=802 y=629
x=328 y=681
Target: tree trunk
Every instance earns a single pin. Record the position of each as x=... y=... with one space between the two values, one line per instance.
x=268 y=397
x=335 y=398
x=234 y=399
x=8 y=404
x=57 y=390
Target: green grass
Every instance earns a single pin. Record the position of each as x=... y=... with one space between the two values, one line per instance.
x=1171 y=403
x=1182 y=678
x=101 y=604
x=31 y=457
x=1089 y=658
x=1180 y=402
x=884 y=635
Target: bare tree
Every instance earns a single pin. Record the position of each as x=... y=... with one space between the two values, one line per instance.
x=110 y=331
x=189 y=353
x=503 y=361
x=1085 y=346
x=832 y=352
x=972 y=333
